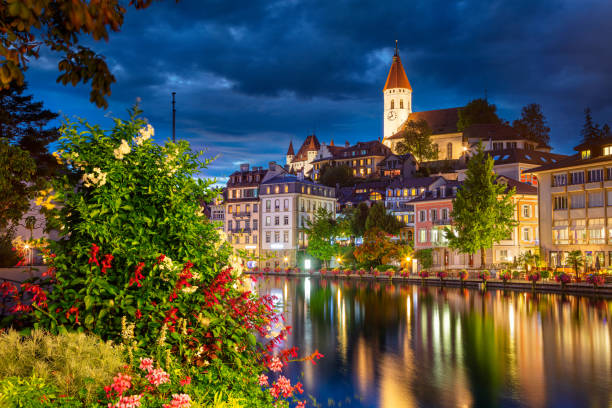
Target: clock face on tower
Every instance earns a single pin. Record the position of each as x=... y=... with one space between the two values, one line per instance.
x=391 y=115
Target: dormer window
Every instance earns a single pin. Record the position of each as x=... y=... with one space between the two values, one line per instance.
x=585 y=154
x=607 y=150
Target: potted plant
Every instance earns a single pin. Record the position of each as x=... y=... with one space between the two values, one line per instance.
x=267 y=269
x=533 y=278
x=484 y=276
x=463 y=275
x=277 y=269
x=288 y=270
x=323 y=271
x=424 y=275
x=442 y=275
x=595 y=280
x=335 y=271
x=361 y=272
x=390 y=272
x=348 y=272
x=376 y=272
x=256 y=269
x=563 y=278
x=516 y=274
x=505 y=276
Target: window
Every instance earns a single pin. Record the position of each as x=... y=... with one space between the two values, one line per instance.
x=444 y=214
x=596 y=199
x=255 y=225
x=596 y=231
x=578 y=231
x=276 y=236
x=585 y=154
x=560 y=203
x=230 y=209
x=248 y=208
x=398 y=192
x=401 y=104
x=246 y=239
x=392 y=104
x=276 y=189
x=577 y=200
x=286 y=188
x=526 y=211
x=422 y=235
x=286 y=220
x=422 y=216
x=247 y=224
x=607 y=150
x=503 y=255
x=526 y=234
x=435 y=236
x=286 y=204
x=560 y=235
x=434 y=215
x=254 y=239
x=268 y=235
x=268 y=220
x=449 y=151
x=229 y=225
x=511 y=145
x=277 y=220
x=276 y=205
x=405 y=192
x=498 y=145
x=286 y=236
x=559 y=180
x=595 y=175
x=254 y=207
x=577 y=177
x=267 y=190
x=268 y=205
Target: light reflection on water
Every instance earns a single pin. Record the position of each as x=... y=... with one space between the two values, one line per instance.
x=397 y=345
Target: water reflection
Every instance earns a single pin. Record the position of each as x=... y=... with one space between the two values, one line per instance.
x=396 y=345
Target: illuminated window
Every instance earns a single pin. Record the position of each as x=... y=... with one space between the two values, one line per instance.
x=229 y=209
x=286 y=188
x=586 y=154
x=607 y=151
x=401 y=104
x=276 y=190
x=405 y=192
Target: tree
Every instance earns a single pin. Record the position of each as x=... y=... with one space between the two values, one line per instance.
x=417 y=141
x=575 y=259
x=478 y=111
x=17 y=170
x=24 y=123
x=483 y=211
x=61 y=26
x=378 y=217
x=337 y=175
x=377 y=249
x=532 y=124
x=590 y=131
x=321 y=232
x=358 y=217
x=425 y=257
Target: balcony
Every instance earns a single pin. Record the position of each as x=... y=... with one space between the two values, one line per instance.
x=240 y=231
x=242 y=214
x=446 y=221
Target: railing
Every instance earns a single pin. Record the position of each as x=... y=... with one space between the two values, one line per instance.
x=242 y=214
x=446 y=221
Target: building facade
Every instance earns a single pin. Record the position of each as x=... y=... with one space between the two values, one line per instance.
x=575 y=205
x=287 y=201
x=362 y=158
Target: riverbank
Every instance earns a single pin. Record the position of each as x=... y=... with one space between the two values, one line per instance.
x=582 y=288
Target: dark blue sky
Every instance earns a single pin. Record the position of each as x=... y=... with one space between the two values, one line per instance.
x=252 y=75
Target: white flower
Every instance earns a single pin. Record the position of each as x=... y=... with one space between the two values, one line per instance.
x=189 y=289
x=122 y=150
x=166 y=264
x=235 y=263
x=145 y=134
x=97 y=178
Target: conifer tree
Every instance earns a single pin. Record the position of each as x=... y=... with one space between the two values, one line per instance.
x=590 y=130
x=483 y=209
x=532 y=124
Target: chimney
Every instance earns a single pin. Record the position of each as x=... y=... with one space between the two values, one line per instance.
x=244 y=167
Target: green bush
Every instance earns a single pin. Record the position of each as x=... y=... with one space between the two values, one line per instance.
x=8 y=257
x=545 y=274
x=32 y=392
x=72 y=362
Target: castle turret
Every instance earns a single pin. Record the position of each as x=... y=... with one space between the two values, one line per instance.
x=290 y=153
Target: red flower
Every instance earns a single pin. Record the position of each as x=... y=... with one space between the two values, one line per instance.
x=138 y=314
x=106 y=263
x=185 y=381
x=93 y=253
x=137 y=275
x=74 y=310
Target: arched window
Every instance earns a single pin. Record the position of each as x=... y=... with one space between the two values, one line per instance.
x=401 y=104
x=392 y=104
x=449 y=151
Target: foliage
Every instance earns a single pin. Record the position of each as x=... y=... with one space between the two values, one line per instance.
x=590 y=131
x=516 y=274
x=333 y=176
x=378 y=217
x=425 y=257
x=358 y=217
x=576 y=260
x=17 y=187
x=463 y=274
x=478 y=111
x=416 y=140
x=30 y=392
x=8 y=257
x=484 y=275
x=321 y=232
x=483 y=210
x=505 y=276
x=532 y=124
x=563 y=278
x=595 y=279
x=24 y=123
x=545 y=274
x=61 y=26
x=377 y=249
x=69 y=362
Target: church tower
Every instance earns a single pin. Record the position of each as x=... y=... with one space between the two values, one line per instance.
x=397 y=98
x=290 y=153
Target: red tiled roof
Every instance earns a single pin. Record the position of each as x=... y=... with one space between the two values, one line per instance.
x=397 y=76
x=290 y=151
x=441 y=121
x=310 y=144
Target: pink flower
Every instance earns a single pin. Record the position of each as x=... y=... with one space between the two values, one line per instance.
x=121 y=383
x=262 y=379
x=179 y=401
x=133 y=401
x=158 y=377
x=146 y=364
x=275 y=364
x=301 y=404
x=282 y=386
x=185 y=381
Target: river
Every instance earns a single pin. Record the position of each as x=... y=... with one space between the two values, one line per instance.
x=401 y=345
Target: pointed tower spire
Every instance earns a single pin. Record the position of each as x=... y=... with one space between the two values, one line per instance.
x=290 y=152
x=397 y=76
x=331 y=142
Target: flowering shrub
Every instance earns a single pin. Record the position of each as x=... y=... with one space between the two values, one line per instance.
x=533 y=277
x=256 y=269
x=390 y=273
x=335 y=271
x=348 y=272
x=595 y=280
x=288 y=270
x=484 y=275
x=424 y=274
x=375 y=272
x=463 y=275
x=563 y=278
x=516 y=274
x=442 y=275
x=323 y=271
x=277 y=269
x=504 y=276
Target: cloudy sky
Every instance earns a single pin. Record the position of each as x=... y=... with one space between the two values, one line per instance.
x=252 y=75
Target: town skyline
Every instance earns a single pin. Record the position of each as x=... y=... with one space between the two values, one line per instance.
x=246 y=107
